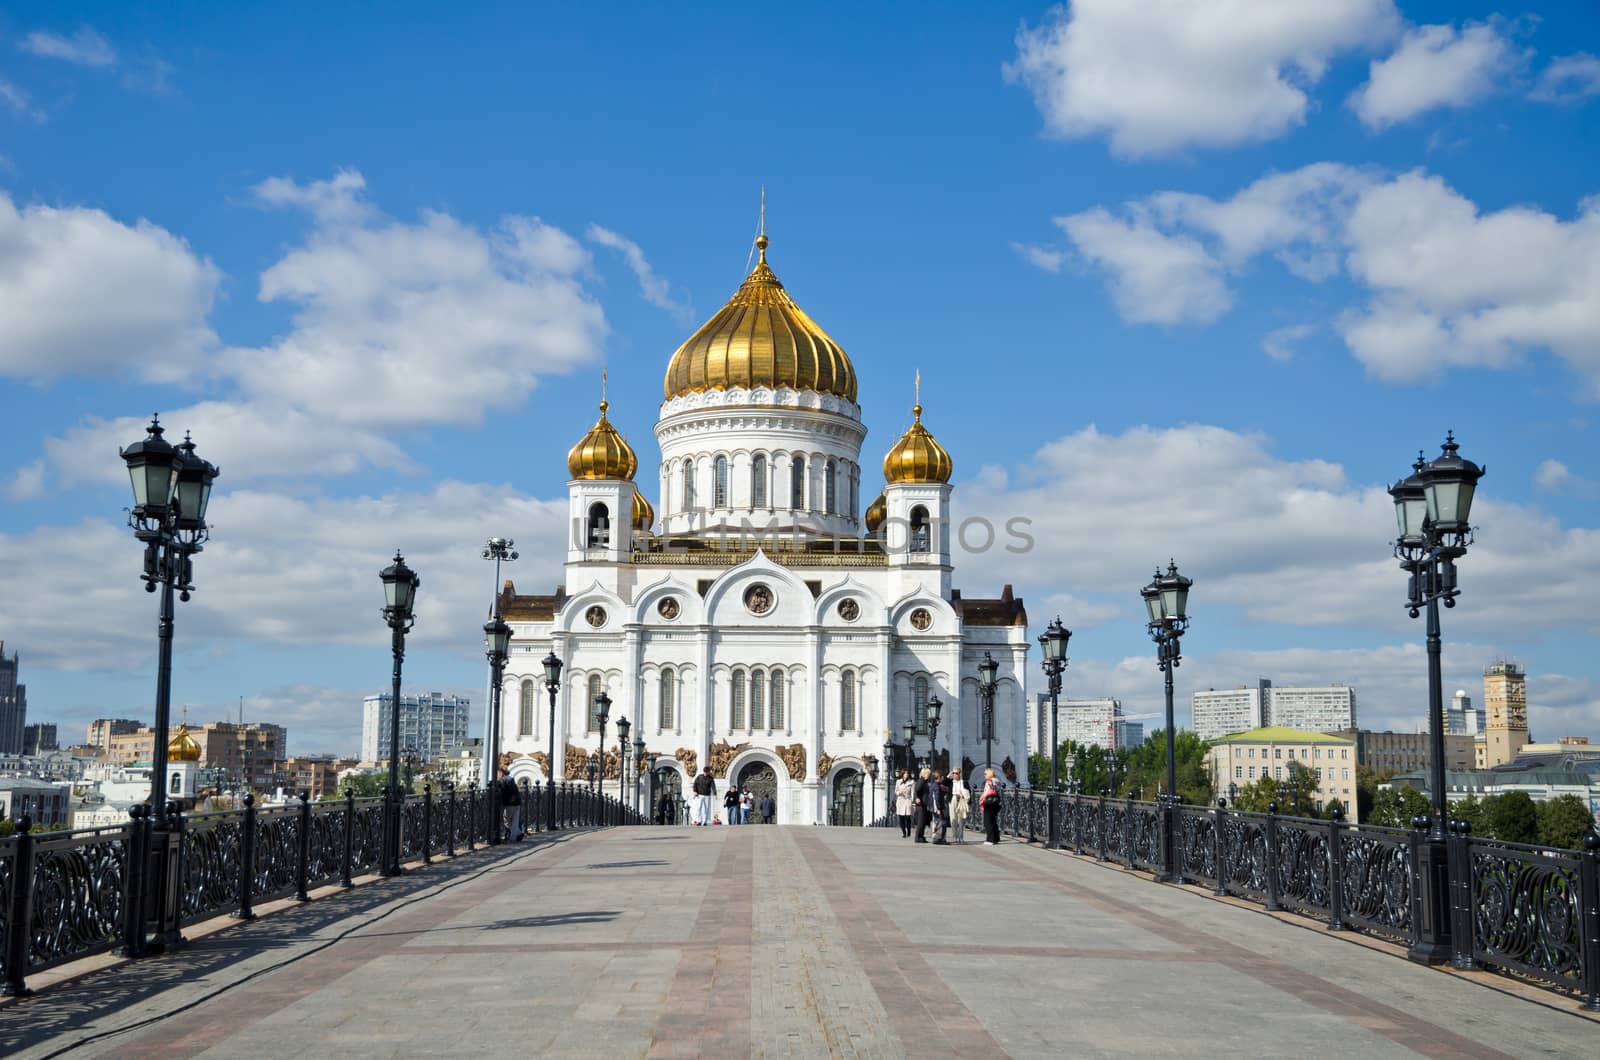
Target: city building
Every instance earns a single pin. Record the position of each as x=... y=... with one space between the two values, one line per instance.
x=130 y=748
x=1401 y=752
x=1460 y=719
x=1130 y=733
x=318 y=776
x=430 y=724
x=1540 y=777
x=102 y=729
x=1276 y=752
x=1505 y=698
x=1219 y=711
x=249 y=753
x=773 y=623
x=39 y=738
x=1083 y=722
x=47 y=802
x=13 y=703
x=1328 y=708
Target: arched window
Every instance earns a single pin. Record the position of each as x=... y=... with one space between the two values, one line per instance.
x=797 y=482
x=775 y=707
x=688 y=485
x=720 y=483
x=847 y=700
x=920 y=536
x=525 y=721
x=830 y=489
x=919 y=704
x=736 y=706
x=758 y=481
x=855 y=492
x=758 y=689
x=599 y=526
x=667 y=718
x=594 y=692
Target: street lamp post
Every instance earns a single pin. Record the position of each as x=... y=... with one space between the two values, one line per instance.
x=909 y=731
x=622 y=766
x=638 y=764
x=1433 y=507
x=400 y=584
x=871 y=762
x=592 y=771
x=552 y=684
x=602 y=712
x=497 y=645
x=650 y=787
x=501 y=551
x=1054 y=642
x=1166 y=599
x=171 y=490
x=935 y=708
x=888 y=776
x=987 y=684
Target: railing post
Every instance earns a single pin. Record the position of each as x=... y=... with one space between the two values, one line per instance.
x=1077 y=823
x=1458 y=863
x=1273 y=904
x=1336 y=869
x=1589 y=915
x=450 y=821
x=1127 y=831
x=1218 y=848
x=168 y=876
x=349 y=837
x=19 y=930
x=302 y=867
x=496 y=811
x=1100 y=818
x=247 y=861
x=472 y=817
x=427 y=824
x=133 y=883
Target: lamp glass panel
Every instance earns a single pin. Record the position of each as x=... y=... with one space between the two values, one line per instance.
x=1412 y=510
x=552 y=669
x=935 y=706
x=1174 y=599
x=391 y=593
x=1152 y=604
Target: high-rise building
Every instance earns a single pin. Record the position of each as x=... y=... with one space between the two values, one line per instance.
x=39 y=738
x=430 y=723
x=102 y=729
x=1459 y=717
x=1083 y=722
x=13 y=704
x=1328 y=708
x=1220 y=711
x=248 y=753
x=1505 y=697
x=1130 y=733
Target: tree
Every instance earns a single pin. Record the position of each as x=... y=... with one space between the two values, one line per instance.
x=1147 y=766
x=1471 y=810
x=1335 y=804
x=1563 y=822
x=365 y=785
x=1367 y=790
x=1395 y=807
x=1513 y=817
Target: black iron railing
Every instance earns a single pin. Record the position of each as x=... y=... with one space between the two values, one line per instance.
x=1527 y=910
x=70 y=895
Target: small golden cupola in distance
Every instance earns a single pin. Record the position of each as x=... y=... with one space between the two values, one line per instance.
x=602 y=453
x=917 y=457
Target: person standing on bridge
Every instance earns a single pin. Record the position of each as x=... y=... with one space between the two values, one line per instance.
x=989 y=803
x=960 y=804
x=924 y=795
x=769 y=809
x=704 y=789
x=903 y=792
x=511 y=804
x=730 y=804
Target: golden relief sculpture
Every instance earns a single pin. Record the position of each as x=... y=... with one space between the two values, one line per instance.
x=543 y=761
x=577 y=763
x=613 y=764
x=688 y=758
x=793 y=757
x=824 y=764
x=721 y=755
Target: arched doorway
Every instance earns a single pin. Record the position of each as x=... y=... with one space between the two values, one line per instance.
x=669 y=782
x=845 y=806
x=760 y=781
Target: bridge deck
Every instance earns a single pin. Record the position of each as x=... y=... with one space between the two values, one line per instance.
x=732 y=942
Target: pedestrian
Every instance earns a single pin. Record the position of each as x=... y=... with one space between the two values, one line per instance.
x=769 y=809
x=730 y=804
x=960 y=806
x=989 y=803
x=664 y=809
x=511 y=804
x=940 y=790
x=903 y=794
x=704 y=788
x=747 y=806
x=922 y=804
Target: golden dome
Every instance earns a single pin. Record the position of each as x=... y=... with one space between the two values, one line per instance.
x=916 y=457
x=182 y=747
x=644 y=516
x=602 y=453
x=877 y=512
x=760 y=339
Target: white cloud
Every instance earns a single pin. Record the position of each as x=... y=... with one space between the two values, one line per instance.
x=16 y=98
x=27 y=483
x=1047 y=258
x=1155 y=277
x=1552 y=475
x=656 y=290
x=431 y=322
x=1568 y=79
x=1280 y=342
x=1435 y=66
x=151 y=296
x=1162 y=75
x=84 y=48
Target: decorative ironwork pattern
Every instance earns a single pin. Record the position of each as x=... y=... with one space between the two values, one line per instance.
x=277 y=853
x=1244 y=855
x=411 y=828
x=1116 y=820
x=1303 y=865
x=366 y=839
x=326 y=859
x=1197 y=844
x=78 y=889
x=209 y=876
x=1527 y=917
x=1377 y=881
x=8 y=870
x=1146 y=830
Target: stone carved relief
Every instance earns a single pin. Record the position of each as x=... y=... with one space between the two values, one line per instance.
x=577 y=764
x=1009 y=768
x=613 y=763
x=721 y=755
x=687 y=757
x=543 y=760
x=824 y=764
x=793 y=757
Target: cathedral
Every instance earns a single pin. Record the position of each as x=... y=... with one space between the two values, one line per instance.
x=760 y=623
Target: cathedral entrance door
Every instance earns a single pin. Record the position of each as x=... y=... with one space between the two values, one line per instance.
x=669 y=782
x=759 y=780
x=845 y=809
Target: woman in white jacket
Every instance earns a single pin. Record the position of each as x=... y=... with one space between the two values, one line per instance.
x=904 y=792
x=960 y=803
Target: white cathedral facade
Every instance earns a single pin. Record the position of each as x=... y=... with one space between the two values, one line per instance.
x=763 y=624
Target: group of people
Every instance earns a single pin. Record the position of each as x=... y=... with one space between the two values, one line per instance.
x=934 y=800
x=739 y=807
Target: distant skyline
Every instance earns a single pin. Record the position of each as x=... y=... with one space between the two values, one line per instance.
x=1177 y=286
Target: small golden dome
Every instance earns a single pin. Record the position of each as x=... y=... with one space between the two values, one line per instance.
x=602 y=453
x=182 y=747
x=877 y=512
x=760 y=339
x=644 y=516
x=916 y=457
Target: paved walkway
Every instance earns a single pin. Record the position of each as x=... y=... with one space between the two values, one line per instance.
x=767 y=941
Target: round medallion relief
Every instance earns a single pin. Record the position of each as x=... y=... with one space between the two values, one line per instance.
x=595 y=616
x=921 y=619
x=758 y=598
x=668 y=608
x=849 y=610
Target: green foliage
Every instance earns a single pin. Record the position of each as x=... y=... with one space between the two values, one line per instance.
x=1474 y=811
x=1563 y=822
x=1513 y=817
x=1334 y=804
x=1367 y=789
x=1142 y=769
x=1295 y=797
x=1395 y=807
x=7 y=826
x=365 y=785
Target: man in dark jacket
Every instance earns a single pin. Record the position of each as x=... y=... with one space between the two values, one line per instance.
x=923 y=797
x=769 y=810
x=704 y=788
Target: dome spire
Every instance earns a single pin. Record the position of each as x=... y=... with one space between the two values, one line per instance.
x=602 y=453
x=761 y=227
x=917 y=457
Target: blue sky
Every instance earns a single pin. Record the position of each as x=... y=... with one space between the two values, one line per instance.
x=1177 y=284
